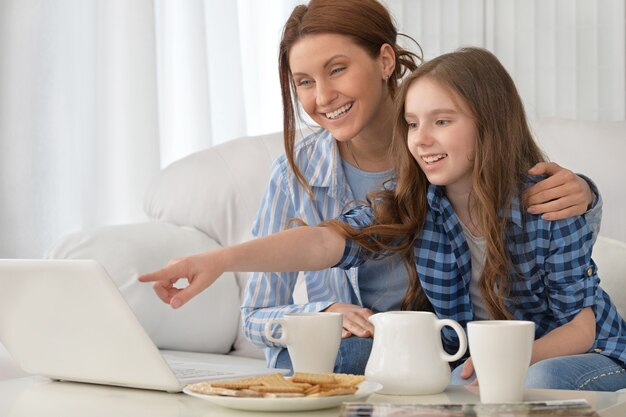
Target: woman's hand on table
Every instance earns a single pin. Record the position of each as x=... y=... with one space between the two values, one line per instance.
x=355 y=319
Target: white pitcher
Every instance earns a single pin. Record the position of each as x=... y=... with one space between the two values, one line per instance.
x=407 y=355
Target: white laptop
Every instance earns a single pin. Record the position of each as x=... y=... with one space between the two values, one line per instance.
x=66 y=320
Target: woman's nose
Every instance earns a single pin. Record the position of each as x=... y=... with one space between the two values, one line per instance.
x=325 y=93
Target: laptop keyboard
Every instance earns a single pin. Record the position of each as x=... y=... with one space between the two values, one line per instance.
x=189 y=373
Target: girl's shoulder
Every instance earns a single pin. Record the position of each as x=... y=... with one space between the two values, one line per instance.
x=530 y=180
x=536 y=224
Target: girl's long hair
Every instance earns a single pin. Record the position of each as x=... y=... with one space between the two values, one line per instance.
x=505 y=150
x=366 y=22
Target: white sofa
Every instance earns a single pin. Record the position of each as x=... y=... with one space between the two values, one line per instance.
x=208 y=199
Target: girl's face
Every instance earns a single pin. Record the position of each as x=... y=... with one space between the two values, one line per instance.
x=441 y=134
x=340 y=86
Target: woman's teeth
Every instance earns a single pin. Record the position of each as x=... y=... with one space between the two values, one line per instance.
x=341 y=110
x=433 y=158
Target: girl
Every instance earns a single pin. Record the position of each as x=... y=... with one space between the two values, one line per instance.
x=340 y=63
x=478 y=254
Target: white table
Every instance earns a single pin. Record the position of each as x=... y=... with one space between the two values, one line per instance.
x=40 y=397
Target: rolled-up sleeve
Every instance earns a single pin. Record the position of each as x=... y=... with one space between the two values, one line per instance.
x=353 y=254
x=571 y=275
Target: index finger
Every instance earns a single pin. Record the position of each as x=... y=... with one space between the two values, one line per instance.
x=171 y=272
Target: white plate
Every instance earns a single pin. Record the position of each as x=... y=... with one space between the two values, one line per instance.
x=366 y=388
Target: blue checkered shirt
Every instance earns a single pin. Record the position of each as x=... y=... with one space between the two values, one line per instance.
x=552 y=258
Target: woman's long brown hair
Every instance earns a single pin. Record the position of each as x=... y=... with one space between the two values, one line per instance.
x=505 y=150
x=366 y=22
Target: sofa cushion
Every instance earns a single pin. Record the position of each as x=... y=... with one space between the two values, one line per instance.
x=208 y=323
x=217 y=190
x=610 y=256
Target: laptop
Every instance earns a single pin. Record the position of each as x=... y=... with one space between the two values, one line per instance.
x=66 y=320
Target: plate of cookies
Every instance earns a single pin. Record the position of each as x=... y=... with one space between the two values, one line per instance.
x=303 y=391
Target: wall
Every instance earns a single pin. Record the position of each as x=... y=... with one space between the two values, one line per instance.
x=597 y=150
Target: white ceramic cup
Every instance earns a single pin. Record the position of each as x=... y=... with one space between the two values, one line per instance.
x=312 y=339
x=501 y=351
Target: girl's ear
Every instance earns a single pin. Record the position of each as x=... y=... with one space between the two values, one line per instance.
x=387 y=59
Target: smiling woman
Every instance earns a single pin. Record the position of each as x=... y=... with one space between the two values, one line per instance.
x=329 y=72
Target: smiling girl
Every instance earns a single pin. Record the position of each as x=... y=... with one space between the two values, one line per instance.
x=463 y=146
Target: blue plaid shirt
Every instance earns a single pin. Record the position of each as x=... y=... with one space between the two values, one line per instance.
x=552 y=258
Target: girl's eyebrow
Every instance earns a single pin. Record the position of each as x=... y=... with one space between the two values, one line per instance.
x=434 y=112
x=442 y=110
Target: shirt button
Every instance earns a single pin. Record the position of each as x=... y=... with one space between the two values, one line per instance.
x=597 y=350
x=589 y=271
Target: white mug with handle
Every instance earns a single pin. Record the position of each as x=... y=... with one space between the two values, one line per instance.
x=312 y=339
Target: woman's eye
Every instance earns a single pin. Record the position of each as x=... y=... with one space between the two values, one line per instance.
x=337 y=70
x=412 y=125
x=442 y=122
x=304 y=83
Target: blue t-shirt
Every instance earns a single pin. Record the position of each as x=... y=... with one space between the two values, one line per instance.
x=382 y=283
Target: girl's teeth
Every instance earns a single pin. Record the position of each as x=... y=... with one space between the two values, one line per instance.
x=433 y=158
x=339 y=111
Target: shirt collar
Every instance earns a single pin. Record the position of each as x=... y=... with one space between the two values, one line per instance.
x=441 y=205
x=434 y=197
x=323 y=165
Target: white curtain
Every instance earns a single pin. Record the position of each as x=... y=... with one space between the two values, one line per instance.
x=78 y=115
x=97 y=95
x=567 y=57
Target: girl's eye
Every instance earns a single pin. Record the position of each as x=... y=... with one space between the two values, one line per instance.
x=442 y=122
x=412 y=125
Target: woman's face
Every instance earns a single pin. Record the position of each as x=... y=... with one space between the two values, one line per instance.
x=441 y=134
x=340 y=86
